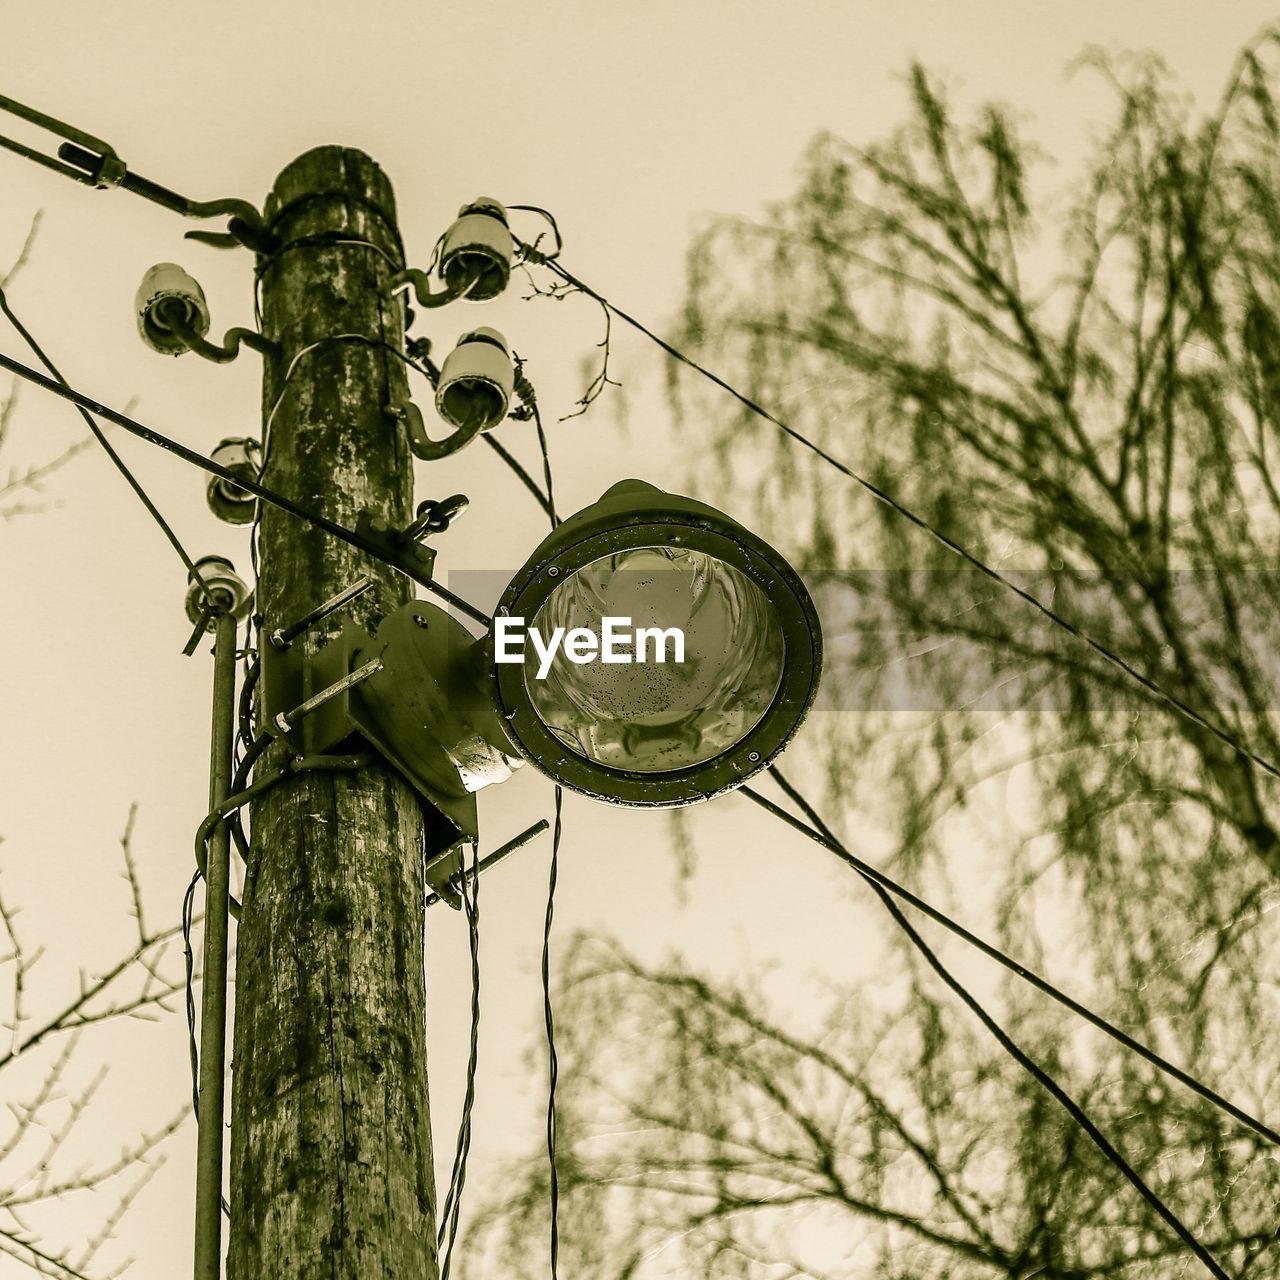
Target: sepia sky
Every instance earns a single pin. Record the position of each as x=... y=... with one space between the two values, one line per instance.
x=635 y=124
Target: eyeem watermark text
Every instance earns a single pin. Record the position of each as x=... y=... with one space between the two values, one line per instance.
x=617 y=642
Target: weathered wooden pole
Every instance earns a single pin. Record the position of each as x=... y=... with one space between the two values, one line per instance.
x=331 y=1169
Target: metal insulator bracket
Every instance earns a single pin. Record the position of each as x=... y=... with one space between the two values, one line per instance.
x=89 y=160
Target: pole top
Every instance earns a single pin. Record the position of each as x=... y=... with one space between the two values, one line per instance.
x=343 y=172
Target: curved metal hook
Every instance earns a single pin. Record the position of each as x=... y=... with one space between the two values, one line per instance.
x=404 y=410
x=230 y=348
x=246 y=226
x=420 y=282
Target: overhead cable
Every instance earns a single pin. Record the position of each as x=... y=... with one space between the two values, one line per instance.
x=119 y=462
x=824 y=837
x=350 y=536
x=1153 y=687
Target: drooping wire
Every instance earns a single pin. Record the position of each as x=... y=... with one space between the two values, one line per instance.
x=1109 y=655
x=824 y=836
x=119 y=462
x=330 y=340
x=548 y=1011
x=188 y=910
x=549 y=219
x=553 y=1062
x=520 y=473
x=447 y=1228
x=546 y=466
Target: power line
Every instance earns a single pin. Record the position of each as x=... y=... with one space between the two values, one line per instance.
x=521 y=474
x=532 y=401
x=883 y=887
x=1182 y=707
x=553 y=1062
x=878 y=879
x=119 y=462
x=824 y=836
x=350 y=536
x=447 y=1229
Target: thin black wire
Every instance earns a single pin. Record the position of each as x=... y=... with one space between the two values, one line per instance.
x=101 y=438
x=870 y=873
x=890 y=501
x=448 y=1225
x=546 y=464
x=331 y=527
x=549 y=218
x=520 y=473
x=188 y=910
x=553 y=1062
x=824 y=836
x=548 y=1012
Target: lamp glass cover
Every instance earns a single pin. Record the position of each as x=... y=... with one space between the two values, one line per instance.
x=659 y=714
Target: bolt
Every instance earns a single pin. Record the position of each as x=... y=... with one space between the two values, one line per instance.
x=553 y=572
x=420 y=621
x=753 y=756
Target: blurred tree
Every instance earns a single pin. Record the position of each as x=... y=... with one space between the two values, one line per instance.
x=1099 y=420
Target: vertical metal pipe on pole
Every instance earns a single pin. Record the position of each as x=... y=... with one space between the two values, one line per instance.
x=213 y=1001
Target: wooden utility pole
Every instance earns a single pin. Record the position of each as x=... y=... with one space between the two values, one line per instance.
x=331 y=1169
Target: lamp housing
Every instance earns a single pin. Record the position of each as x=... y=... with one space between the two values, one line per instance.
x=659 y=734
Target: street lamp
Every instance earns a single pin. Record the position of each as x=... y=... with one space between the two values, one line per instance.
x=669 y=654
x=647 y=729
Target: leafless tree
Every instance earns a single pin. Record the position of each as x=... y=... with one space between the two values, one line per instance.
x=22 y=488
x=1096 y=419
x=43 y=1080
x=49 y=1092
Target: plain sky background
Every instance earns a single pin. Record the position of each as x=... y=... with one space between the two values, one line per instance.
x=635 y=124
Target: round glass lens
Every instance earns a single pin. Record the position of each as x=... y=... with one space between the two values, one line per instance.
x=656 y=659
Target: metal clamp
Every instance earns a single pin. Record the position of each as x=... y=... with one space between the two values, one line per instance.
x=436 y=517
x=89 y=160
